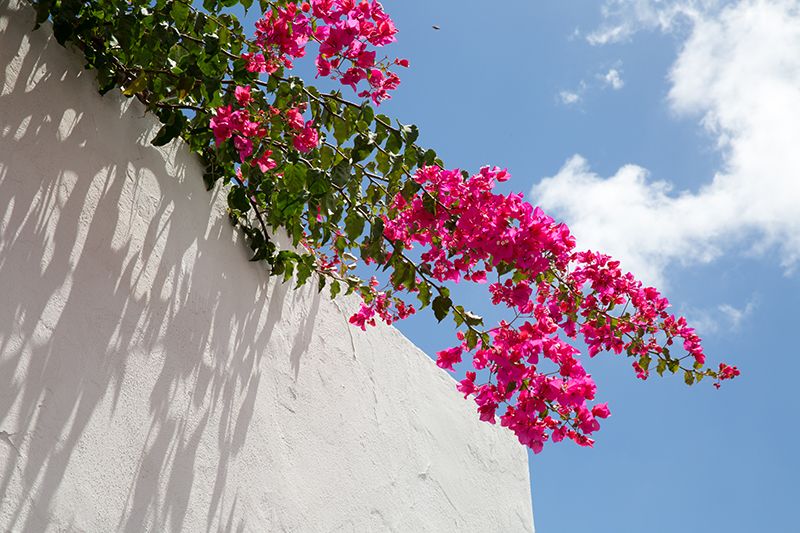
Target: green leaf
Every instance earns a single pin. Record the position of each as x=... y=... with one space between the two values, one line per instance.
x=211 y=41
x=184 y=86
x=264 y=250
x=441 y=307
x=404 y=273
x=341 y=130
x=424 y=294
x=137 y=85
x=394 y=143
x=429 y=203
x=304 y=271
x=429 y=158
x=458 y=315
x=326 y=156
x=170 y=130
x=688 y=377
x=179 y=12
x=367 y=113
x=237 y=199
x=472 y=319
x=341 y=173
x=362 y=147
x=384 y=162
x=373 y=247
x=354 y=225
x=335 y=288
x=411 y=133
x=471 y=336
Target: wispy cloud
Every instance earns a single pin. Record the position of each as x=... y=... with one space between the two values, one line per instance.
x=724 y=317
x=737 y=315
x=738 y=72
x=623 y=18
x=569 y=97
x=613 y=79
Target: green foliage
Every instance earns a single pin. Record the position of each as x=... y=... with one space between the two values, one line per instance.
x=182 y=63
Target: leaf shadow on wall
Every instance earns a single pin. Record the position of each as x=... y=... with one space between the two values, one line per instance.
x=114 y=288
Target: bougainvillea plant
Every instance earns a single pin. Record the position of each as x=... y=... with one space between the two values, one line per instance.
x=344 y=182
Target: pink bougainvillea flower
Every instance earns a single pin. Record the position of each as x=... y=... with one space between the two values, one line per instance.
x=294 y=119
x=244 y=146
x=447 y=358
x=255 y=62
x=307 y=139
x=265 y=163
x=242 y=95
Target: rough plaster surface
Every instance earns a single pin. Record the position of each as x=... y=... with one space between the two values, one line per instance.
x=151 y=379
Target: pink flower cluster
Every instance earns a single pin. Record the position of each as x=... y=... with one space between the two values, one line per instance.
x=726 y=372
x=344 y=30
x=526 y=372
x=382 y=306
x=249 y=127
x=554 y=292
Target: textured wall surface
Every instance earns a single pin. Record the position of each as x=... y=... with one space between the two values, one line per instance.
x=151 y=379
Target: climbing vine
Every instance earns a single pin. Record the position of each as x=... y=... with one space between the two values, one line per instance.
x=347 y=184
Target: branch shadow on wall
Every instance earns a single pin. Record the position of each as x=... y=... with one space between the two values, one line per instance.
x=97 y=301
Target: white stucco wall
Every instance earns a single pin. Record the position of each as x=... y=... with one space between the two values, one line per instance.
x=151 y=379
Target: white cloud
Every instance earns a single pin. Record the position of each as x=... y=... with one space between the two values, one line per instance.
x=613 y=79
x=569 y=97
x=573 y=96
x=739 y=72
x=703 y=321
x=631 y=217
x=623 y=18
x=723 y=317
x=737 y=315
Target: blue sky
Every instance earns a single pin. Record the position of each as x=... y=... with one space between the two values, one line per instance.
x=665 y=132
